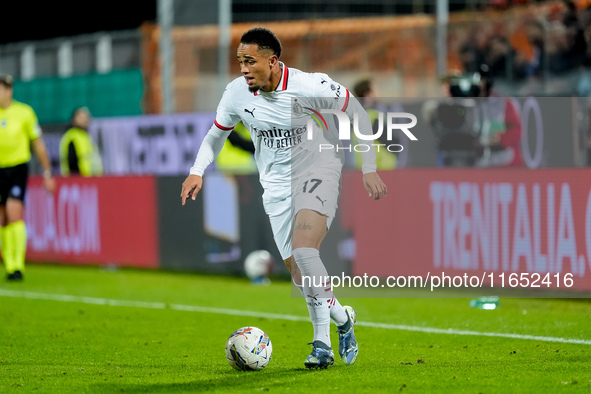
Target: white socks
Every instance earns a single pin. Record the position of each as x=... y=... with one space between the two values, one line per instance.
x=322 y=305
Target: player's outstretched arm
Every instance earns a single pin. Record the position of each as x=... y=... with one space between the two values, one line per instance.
x=191 y=187
x=210 y=147
x=374 y=185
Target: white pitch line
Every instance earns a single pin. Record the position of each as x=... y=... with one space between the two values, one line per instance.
x=453 y=331
x=277 y=316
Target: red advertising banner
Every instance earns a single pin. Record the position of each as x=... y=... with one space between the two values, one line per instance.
x=487 y=223
x=102 y=220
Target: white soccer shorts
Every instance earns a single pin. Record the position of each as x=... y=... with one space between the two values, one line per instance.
x=317 y=191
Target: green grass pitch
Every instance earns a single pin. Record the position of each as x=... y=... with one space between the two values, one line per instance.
x=146 y=342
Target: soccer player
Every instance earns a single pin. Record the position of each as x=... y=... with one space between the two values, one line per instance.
x=19 y=130
x=301 y=183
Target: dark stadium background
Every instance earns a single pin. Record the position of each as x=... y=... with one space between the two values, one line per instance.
x=49 y=19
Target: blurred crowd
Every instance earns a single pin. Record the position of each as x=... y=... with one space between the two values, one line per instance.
x=554 y=43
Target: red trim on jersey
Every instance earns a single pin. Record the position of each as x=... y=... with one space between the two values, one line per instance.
x=256 y=93
x=219 y=126
x=346 y=101
x=285 y=76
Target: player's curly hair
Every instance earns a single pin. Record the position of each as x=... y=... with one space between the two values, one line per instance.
x=264 y=38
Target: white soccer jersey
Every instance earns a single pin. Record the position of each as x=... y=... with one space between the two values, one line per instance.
x=278 y=122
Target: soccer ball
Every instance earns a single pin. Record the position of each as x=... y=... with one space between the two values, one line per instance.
x=258 y=265
x=249 y=349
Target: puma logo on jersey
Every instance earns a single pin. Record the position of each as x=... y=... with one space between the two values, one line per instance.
x=322 y=201
x=323 y=81
x=250 y=112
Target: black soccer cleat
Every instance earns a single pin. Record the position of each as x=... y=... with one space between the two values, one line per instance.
x=16 y=275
